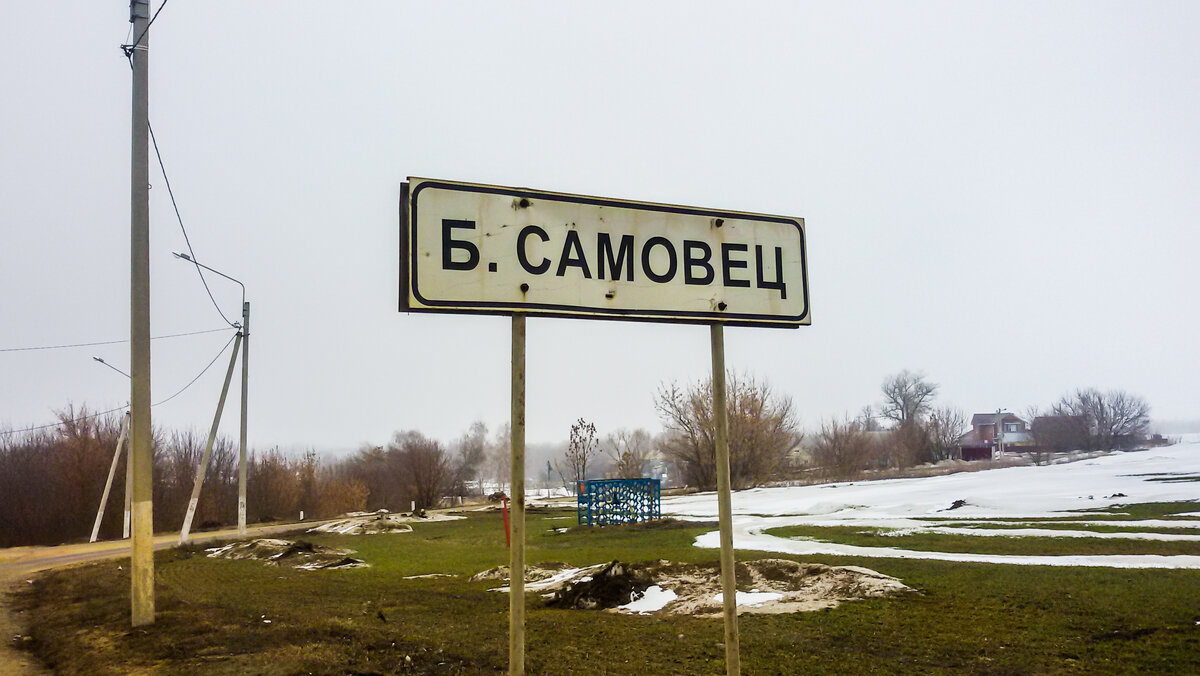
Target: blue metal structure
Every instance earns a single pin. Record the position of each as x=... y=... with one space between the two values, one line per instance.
x=607 y=501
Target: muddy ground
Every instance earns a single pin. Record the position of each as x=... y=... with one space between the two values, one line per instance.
x=764 y=586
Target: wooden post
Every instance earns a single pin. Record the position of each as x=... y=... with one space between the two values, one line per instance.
x=724 y=507
x=516 y=553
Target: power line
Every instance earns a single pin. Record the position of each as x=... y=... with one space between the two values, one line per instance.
x=64 y=422
x=179 y=218
x=130 y=46
x=122 y=408
x=202 y=372
x=128 y=50
x=107 y=342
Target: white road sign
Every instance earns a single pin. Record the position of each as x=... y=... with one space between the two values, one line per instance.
x=487 y=249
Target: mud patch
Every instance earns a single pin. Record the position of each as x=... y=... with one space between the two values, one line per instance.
x=299 y=554
x=764 y=586
x=613 y=585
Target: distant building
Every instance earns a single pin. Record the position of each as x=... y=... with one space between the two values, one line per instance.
x=986 y=428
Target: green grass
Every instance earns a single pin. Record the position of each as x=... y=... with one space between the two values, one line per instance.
x=1017 y=545
x=966 y=618
x=1129 y=512
x=1150 y=510
x=1113 y=527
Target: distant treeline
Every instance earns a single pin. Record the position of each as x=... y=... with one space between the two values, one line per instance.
x=51 y=480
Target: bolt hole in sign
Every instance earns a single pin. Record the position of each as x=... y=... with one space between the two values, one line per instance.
x=471 y=248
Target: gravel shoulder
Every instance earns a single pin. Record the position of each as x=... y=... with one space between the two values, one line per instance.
x=17 y=564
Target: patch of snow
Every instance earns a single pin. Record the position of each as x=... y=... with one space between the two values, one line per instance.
x=1040 y=532
x=750 y=599
x=652 y=600
x=1012 y=494
x=216 y=552
x=557 y=579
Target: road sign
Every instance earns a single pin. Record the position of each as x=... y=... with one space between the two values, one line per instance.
x=485 y=249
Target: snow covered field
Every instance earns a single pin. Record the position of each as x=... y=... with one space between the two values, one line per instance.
x=1001 y=497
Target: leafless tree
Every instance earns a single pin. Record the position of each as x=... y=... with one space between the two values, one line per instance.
x=427 y=469
x=629 y=452
x=1114 y=419
x=943 y=429
x=307 y=475
x=378 y=469
x=906 y=445
x=762 y=431
x=1043 y=434
x=907 y=397
x=272 y=487
x=51 y=479
x=842 y=448
x=500 y=456
x=472 y=453
x=868 y=420
x=582 y=448
x=340 y=491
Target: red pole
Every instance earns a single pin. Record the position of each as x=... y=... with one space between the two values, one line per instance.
x=507 y=535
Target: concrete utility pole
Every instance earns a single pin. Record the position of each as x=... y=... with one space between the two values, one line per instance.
x=242 y=441
x=212 y=437
x=733 y=660
x=140 y=446
x=244 y=334
x=112 y=470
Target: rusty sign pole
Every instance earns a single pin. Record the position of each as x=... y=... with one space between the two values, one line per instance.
x=724 y=506
x=516 y=553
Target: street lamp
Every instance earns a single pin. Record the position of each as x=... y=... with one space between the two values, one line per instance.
x=185 y=257
x=112 y=367
x=244 y=330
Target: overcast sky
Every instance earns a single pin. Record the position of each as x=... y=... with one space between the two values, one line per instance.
x=1001 y=195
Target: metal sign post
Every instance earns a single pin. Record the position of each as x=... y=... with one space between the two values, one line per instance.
x=481 y=249
x=724 y=506
x=516 y=552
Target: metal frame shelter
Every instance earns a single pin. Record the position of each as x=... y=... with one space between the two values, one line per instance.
x=602 y=502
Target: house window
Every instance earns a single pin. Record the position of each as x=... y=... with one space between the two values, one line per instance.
x=1012 y=427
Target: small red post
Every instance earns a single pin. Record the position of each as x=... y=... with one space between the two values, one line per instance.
x=504 y=508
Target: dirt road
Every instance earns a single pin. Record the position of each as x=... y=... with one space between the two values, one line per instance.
x=18 y=563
